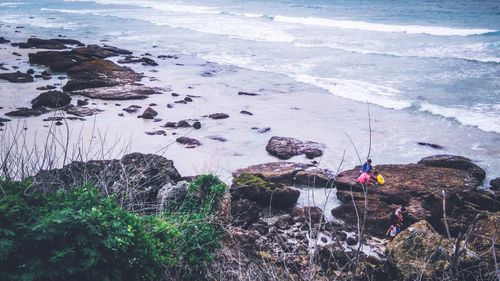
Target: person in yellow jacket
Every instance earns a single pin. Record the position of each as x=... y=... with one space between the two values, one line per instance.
x=379 y=178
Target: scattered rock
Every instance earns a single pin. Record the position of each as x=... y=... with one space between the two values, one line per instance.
x=157 y=133
x=81 y=111
x=218 y=116
x=217 y=138
x=188 y=141
x=56 y=61
x=17 y=77
x=263 y=130
x=435 y=146
x=183 y=124
x=170 y=125
x=285 y=148
x=197 y=125
x=46 y=88
x=52 y=99
x=4 y=41
x=3 y=120
x=27 y=112
x=149 y=113
x=241 y=93
x=246 y=112
x=30 y=71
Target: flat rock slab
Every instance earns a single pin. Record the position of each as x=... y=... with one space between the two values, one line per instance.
x=285 y=148
x=119 y=92
x=17 y=77
x=82 y=111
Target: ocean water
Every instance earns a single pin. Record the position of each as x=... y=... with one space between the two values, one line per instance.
x=437 y=63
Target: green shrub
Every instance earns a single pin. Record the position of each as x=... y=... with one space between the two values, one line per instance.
x=82 y=235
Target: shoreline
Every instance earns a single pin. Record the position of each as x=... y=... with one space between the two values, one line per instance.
x=275 y=104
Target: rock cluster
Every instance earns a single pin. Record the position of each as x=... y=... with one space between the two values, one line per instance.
x=285 y=148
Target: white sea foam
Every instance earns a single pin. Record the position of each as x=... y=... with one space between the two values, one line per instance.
x=484 y=117
x=472 y=52
x=12 y=4
x=358 y=90
x=39 y=22
x=361 y=25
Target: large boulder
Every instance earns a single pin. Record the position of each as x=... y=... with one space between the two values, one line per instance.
x=264 y=193
x=495 y=184
x=456 y=162
x=52 y=99
x=97 y=73
x=285 y=148
x=419 y=252
x=17 y=77
x=27 y=112
x=135 y=179
x=171 y=194
x=291 y=173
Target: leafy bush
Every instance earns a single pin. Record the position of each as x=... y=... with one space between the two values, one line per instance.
x=82 y=235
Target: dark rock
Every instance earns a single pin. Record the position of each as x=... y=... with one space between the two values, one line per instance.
x=68 y=41
x=27 y=112
x=262 y=192
x=175 y=95
x=81 y=111
x=17 y=77
x=131 y=109
x=149 y=113
x=188 y=99
x=47 y=73
x=435 y=146
x=135 y=179
x=454 y=161
x=246 y=112
x=197 y=125
x=3 y=120
x=170 y=105
x=99 y=73
x=43 y=44
x=59 y=123
x=143 y=60
x=45 y=88
x=311 y=215
x=241 y=93
x=283 y=172
x=82 y=102
x=17 y=55
x=217 y=138
x=285 y=148
x=94 y=51
x=218 y=116
x=188 y=141
x=244 y=212
x=263 y=130
x=181 y=101
x=495 y=184
x=157 y=133
x=170 y=125
x=351 y=241
x=153 y=104
x=30 y=71
x=52 y=99
x=183 y=124
x=4 y=41
x=56 y=61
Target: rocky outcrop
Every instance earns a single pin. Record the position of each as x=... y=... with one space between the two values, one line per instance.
x=420 y=189
x=81 y=111
x=171 y=194
x=421 y=253
x=56 y=61
x=291 y=173
x=264 y=193
x=52 y=99
x=285 y=148
x=495 y=184
x=17 y=77
x=456 y=162
x=135 y=179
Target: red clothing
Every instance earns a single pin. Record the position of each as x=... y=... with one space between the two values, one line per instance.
x=364 y=178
